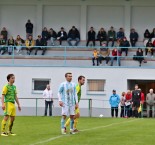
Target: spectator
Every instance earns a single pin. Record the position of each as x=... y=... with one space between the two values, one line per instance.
x=95 y=57
x=139 y=55
x=62 y=35
x=45 y=34
x=48 y=96
x=11 y=44
x=102 y=36
x=124 y=43
x=3 y=47
x=114 y=102
x=41 y=43
x=120 y=34
x=91 y=36
x=141 y=102
x=122 y=103
x=104 y=54
x=128 y=99
x=19 y=43
x=153 y=33
x=73 y=35
x=111 y=36
x=150 y=103
x=30 y=43
x=116 y=56
x=52 y=36
x=136 y=97
x=147 y=34
x=4 y=32
x=133 y=37
x=29 y=28
x=149 y=47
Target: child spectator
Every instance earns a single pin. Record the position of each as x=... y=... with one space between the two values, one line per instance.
x=122 y=104
x=95 y=57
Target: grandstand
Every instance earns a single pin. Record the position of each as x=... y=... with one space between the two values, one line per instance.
x=52 y=66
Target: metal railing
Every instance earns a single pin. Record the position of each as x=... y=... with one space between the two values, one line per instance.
x=68 y=56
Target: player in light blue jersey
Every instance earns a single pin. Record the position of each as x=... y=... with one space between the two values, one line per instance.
x=68 y=101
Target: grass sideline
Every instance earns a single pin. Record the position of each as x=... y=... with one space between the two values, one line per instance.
x=94 y=131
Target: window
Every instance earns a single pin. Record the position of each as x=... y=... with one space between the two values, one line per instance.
x=38 y=85
x=95 y=86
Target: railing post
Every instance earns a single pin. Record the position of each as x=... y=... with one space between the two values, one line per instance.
x=90 y=107
x=13 y=55
x=65 y=53
x=36 y=106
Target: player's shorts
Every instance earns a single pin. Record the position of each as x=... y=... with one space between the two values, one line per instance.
x=77 y=110
x=68 y=110
x=136 y=104
x=10 y=109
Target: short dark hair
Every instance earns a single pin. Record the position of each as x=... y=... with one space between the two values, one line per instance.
x=68 y=73
x=80 y=77
x=9 y=76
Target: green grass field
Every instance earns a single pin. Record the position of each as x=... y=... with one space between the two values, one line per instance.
x=94 y=131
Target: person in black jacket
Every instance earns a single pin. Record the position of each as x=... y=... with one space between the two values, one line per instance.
x=149 y=47
x=102 y=36
x=139 y=55
x=29 y=28
x=62 y=35
x=147 y=34
x=153 y=33
x=41 y=43
x=73 y=35
x=11 y=44
x=52 y=36
x=133 y=37
x=45 y=34
x=91 y=36
x=136 y=97
x=124 y=43
x=3 y=47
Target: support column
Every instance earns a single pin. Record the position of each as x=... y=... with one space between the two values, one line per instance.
x=39 y=17
x=127 y=18
x=83 y=21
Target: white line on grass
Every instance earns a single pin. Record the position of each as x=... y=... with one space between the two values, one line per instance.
x=60 y=136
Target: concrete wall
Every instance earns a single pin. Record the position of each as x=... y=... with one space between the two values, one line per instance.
x=81 y=13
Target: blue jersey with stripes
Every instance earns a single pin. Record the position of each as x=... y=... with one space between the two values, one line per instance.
x=67 y=90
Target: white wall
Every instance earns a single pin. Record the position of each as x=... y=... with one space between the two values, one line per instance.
x=61 y=16
x=142 y=19
x=115 y=79
x=14 y=18
x=83 y=14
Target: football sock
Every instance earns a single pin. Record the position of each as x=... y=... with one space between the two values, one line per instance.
x=67 y=122
x=62 y=122
x=75 y=123
x=71 y=123
x=10 y=125
x=3 y=124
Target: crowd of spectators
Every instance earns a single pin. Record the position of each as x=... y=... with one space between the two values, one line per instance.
x=132 y=103
x=48 y=37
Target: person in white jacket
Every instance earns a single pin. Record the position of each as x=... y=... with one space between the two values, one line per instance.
x=48 y=96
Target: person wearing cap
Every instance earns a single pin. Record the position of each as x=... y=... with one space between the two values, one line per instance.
x=104 y=54
x=120 y=34
x=111 y=36
x=73 y=35
x=62 y=35
x=114 y=101
x=91 y=36
x=124 y=43
x=41 y=45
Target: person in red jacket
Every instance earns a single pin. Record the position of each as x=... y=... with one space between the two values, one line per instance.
x=128 y=99
x=116 y=56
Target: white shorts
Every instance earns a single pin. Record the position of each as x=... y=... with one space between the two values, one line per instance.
x=68 y=110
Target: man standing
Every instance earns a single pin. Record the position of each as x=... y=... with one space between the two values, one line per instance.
x=29 y=28
x=136 y=97
x=68 y=100
x=9 y=97
x=48 y=96
x=150 y=101
x=81 y=81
